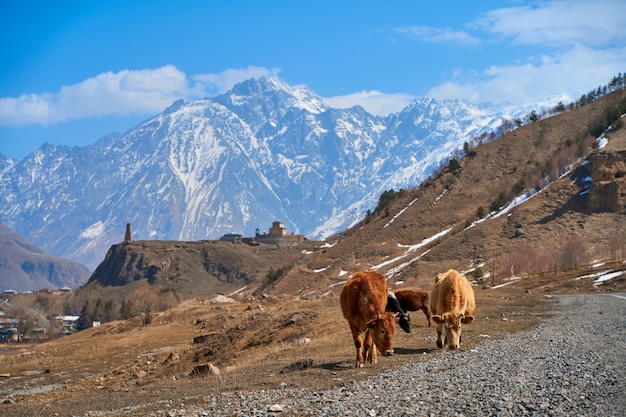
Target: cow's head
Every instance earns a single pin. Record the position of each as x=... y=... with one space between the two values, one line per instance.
x=404 y=320
x=394 y=306
x=381 y=328
x=452 y=323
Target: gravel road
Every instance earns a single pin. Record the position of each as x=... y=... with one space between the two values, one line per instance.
x=572 y=364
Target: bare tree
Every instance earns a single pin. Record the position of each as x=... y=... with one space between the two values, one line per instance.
x=149 y=299
x=576 y=252
x=548 y=261
x=523 y=260
x=616 y=249
x=144 y=303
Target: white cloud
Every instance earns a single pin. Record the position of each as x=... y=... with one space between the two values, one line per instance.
x=122 y=93
x=225 y=80
x=149 y=91
x=127 y=92
x=560 y=24
x=574 y=71
x=433 y=34
x=374 y=102
x=582 y=44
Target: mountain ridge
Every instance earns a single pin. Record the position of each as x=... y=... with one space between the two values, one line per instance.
x=25 y=267
x=263 y=151
x=450 y=221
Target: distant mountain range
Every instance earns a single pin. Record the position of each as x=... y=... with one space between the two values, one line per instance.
x=25 y=267
x=262 y=152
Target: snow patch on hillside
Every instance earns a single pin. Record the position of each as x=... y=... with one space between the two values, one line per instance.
x=93 y=231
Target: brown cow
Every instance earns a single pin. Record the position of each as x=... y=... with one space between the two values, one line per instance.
x=363 y=301
x=452 y=304
x=414 y=300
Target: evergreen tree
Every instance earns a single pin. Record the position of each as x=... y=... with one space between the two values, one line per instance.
x=110 y=313
x=126 y=310
x=85 y=320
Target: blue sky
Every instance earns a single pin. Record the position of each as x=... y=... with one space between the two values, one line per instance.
x=73 y=71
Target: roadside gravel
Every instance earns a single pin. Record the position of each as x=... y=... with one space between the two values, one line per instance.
x=572 y=364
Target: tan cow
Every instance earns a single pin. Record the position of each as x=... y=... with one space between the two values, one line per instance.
x=363 y=301
x=452 y=304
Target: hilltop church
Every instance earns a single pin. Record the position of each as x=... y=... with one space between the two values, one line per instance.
x=277 y=236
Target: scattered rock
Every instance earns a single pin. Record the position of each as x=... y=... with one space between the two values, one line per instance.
x=205 y=370
x=293 y=318
x=298 y=366
x=140 y=374
x=276 y=408
x=203 y=338
x=221 y=299
x=172 y=357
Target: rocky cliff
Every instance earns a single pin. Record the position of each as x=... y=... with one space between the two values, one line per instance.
x=608 y=175
x=194 y=268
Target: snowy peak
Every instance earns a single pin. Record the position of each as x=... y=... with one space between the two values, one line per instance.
x=266 y=100
x=262 y=152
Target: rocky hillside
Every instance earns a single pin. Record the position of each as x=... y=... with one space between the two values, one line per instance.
x=262 y=151
x=195 y=269
x=25 y=267
x=447 y=222
x=285 y=330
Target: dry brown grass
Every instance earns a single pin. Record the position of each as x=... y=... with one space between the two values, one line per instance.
x=257 y=343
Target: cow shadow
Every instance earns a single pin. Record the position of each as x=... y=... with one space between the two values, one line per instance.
x=349 y=364
x=409 y=351
x=336 y=366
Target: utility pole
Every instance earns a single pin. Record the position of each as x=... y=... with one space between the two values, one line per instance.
x=493 y=270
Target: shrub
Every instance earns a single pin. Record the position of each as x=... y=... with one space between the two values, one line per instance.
x=478 y=274
x=386 y=198
x=274 y=274
x=498 y=203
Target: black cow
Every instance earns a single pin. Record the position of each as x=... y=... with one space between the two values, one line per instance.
x=394 y=306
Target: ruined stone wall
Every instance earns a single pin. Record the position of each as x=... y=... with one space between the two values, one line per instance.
x=288 y=240
x=608 y=189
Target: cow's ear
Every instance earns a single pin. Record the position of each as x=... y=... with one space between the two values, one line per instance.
x=371 y=324
x=467 y=319
x=437 y=319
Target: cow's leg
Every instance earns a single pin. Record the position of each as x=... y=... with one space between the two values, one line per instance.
x=369 y=348
x=426 y=311
x=440 y=341
x=358 y=343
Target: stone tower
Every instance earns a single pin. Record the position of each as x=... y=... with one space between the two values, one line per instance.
x=129 y=234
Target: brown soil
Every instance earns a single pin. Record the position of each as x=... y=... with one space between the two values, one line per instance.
x=296 y=334
x=122 y=368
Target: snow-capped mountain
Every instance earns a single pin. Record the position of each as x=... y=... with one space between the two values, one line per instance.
x=262 y=152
